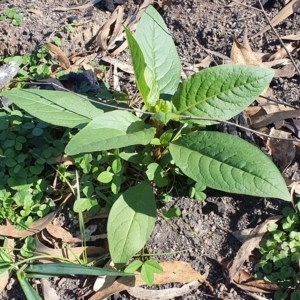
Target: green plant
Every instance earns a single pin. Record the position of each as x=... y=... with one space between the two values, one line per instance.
x=279 y=262
x=147 y=269
x=32 y=65
x=165 y=143
x=11 y=13
x=29 y=267
x=69 y=28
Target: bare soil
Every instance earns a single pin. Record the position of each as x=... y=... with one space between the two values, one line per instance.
x=196 y=25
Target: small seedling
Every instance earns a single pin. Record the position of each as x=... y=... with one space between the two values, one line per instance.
x=11 y=13
x=147 y=269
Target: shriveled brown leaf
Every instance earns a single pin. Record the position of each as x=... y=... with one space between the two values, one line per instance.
x=35 y=227
x=292 y=37
x=249 y=245
x=71 y=253
x=121 y=65
x=173 y=271
x=66 y=160
x=281 y=53
x=63 y=60
x=271 y=118
x=35 y=11
x=286 y=71
x=4 y=277
x=289 y=9
x=102 y=282
x=76 y=7
x=283 y=152
x=244 y=56
x=49 y=293
x=246 y=282
x=61 y=234
x=293 y=185
x=141 y=293
x=111 y=29
x=101 y=214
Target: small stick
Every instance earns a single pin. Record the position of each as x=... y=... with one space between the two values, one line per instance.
x=280 y=40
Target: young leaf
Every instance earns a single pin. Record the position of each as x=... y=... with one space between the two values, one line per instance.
x=139 y=67
x=149 y=268
x=159 y=51
x=110 y=130
x=130 y=222
x=28 y=290
x=227 y=163
x=54 y=107
x=220 y=92
x=133 y=266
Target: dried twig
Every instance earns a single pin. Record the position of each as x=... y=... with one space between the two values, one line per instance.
x=280 y=40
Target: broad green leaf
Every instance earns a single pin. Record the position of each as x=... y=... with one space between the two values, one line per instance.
x=220 y=92
x=130 y=223
x=139 y=67
x=159 y=51
x=227 y=163
x=110 y=130
x=54 y=107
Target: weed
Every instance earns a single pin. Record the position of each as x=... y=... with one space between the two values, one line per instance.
x=279 y=263
x=11 y=13
x=132 y=158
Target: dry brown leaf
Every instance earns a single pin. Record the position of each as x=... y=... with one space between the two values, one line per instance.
x=282 y=15
x=286 y=71
x=35 y=11
x=101 y=214
x=164 y=294
x=244 y=281
x=49 y=293
x=102 y=282
x=121 y=65
x=281 y=53
x=66 y=160
x=292 y=37
x=249 y=245
x=283 y=152
x=268 y=106
x=173 y=271
x=244 y=56
x=110 y=30
x=271 y=118
x=297 y=146
x=71 y=253
x=63 y=60
x=35 y=227
x=83 y=6
x=61 y=234
x=294 y=185
x=4 y=277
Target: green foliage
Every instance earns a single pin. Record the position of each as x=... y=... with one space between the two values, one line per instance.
x=11 y=13
x=280 y=255
x=32 y=65
x=148 y=269
x=122 y=155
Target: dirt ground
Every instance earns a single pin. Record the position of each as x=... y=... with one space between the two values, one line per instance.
x=196 y=26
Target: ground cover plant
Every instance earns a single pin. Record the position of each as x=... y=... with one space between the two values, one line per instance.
x=279 y=262
x=130 y=157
